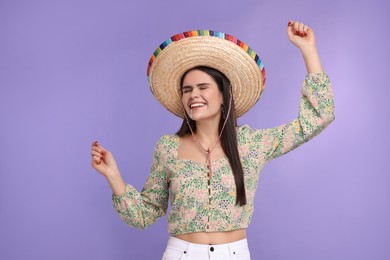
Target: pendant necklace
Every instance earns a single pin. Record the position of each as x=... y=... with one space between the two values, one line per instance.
x=208 y=151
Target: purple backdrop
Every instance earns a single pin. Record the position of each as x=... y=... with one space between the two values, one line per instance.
x=72 y=72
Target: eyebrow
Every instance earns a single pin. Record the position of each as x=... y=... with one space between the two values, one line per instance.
x=197 y=85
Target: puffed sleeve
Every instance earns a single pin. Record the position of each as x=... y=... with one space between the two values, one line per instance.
x=141 y=209
x=315 y=114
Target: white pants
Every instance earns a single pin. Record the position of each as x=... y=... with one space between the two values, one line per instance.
x=180 y=249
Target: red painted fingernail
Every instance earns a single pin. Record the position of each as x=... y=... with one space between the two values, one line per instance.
x=289 y=23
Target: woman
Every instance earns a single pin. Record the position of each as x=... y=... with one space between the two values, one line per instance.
x=209 y=169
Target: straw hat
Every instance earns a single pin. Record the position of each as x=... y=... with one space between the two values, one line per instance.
x=217 y=50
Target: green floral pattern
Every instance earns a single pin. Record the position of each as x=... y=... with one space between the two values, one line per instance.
x=184 y=182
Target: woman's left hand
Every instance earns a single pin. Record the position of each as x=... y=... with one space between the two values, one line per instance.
x=301 y=35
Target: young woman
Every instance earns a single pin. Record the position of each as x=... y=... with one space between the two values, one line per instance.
x=209 y=169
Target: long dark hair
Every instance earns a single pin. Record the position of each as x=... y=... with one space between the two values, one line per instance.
x=229 y=135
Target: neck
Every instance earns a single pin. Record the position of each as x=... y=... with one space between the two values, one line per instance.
x=207 y=132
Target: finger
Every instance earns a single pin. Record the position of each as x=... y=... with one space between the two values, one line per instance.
x=290 y=28
x=95 y=163
x=98 y=147
x=308 y=30
x=96 y=153
x=300 y=27
x=305 y=28
x=100 y=150
x=296 y=27
x=99 y=154
x=97 y=158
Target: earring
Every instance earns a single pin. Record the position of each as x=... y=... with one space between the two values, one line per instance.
x=223 y=112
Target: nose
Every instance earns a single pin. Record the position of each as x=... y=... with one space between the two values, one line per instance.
x=195 y=93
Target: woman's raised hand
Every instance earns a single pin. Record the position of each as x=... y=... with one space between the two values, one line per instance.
x=301 y=35
x=103 y=161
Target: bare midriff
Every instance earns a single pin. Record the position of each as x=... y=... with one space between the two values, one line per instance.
x=213 y=238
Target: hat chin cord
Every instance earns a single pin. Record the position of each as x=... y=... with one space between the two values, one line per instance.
x=209 y=150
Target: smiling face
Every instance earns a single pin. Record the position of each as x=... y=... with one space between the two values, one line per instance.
x=201 y=96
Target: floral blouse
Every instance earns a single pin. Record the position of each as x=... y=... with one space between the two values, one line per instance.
x=185 y=182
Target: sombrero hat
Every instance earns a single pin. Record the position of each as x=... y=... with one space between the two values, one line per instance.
x=221 y=51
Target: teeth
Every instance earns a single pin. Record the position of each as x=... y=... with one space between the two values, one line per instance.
x=197 y=105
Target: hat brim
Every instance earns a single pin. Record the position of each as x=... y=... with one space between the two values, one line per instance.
x=240 y=65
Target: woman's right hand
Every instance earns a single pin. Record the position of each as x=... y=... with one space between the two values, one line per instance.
x=103 y=161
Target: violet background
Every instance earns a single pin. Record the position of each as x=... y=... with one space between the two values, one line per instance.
x=72 y=72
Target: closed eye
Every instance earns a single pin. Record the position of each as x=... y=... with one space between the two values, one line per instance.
x=203 y=85
x=186 y=89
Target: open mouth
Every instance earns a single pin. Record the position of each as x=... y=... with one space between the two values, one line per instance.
x=196 y=105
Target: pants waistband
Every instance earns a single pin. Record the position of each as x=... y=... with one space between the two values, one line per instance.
x=227 y=248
